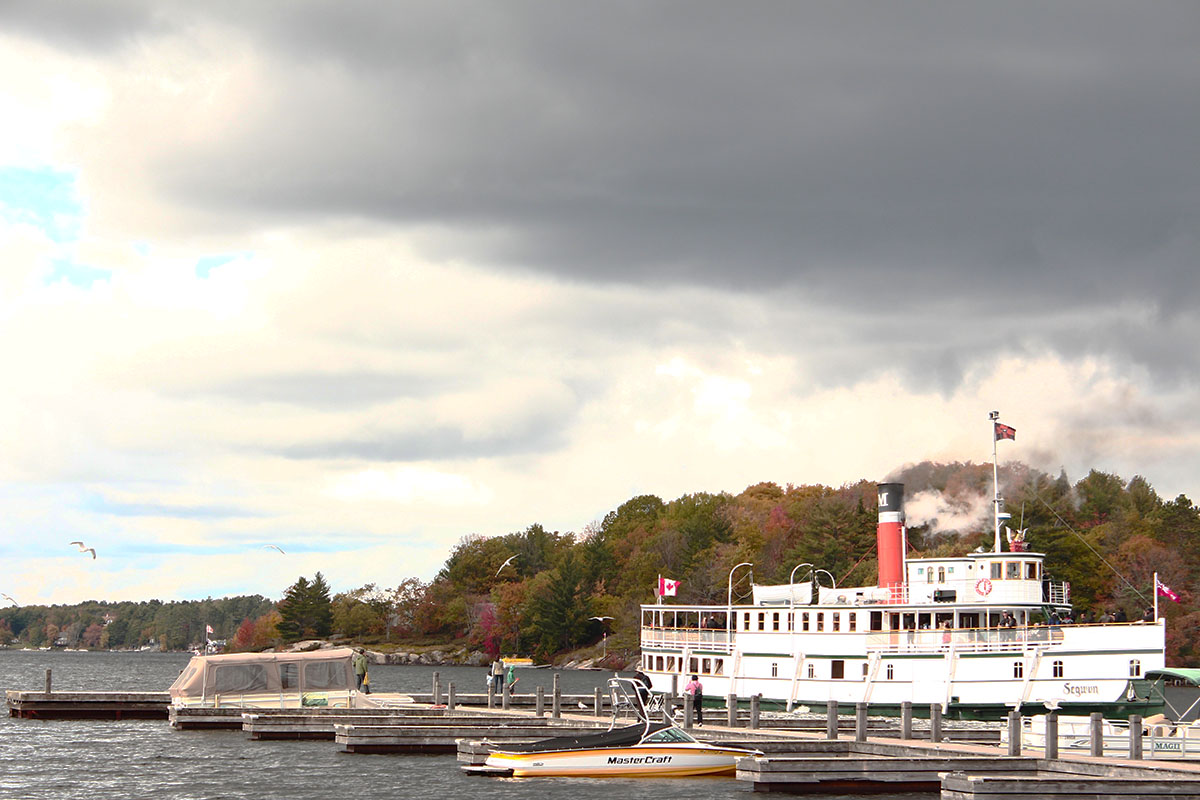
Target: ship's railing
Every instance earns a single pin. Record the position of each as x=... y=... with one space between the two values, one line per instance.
x=691 y=638
x=963 y=640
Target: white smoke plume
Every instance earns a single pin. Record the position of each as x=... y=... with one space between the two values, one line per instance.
x=949 y=515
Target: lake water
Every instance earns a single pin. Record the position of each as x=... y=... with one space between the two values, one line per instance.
x=100 y=760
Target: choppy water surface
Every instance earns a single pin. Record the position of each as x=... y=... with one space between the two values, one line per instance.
x=98 y=760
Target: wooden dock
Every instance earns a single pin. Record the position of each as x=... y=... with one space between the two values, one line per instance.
x=87 y=705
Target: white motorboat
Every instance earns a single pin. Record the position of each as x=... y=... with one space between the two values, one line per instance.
x=646 y=748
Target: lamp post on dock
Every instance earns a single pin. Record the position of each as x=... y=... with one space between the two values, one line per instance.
x=604 y=635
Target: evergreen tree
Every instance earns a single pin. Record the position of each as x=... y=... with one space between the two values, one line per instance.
x=306 y=609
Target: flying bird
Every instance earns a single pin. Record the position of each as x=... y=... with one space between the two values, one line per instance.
x=277 y=547
x=506 y=563
x=83 y=549
x=9 y=599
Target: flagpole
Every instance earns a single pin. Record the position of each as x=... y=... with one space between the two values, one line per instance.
x=1156 y=597
x=993 y=416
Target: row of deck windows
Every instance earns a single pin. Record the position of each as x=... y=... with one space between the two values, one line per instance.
x=999 y=571
x=716 y=666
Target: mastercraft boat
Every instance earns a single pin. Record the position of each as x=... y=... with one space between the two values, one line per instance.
x=646 y=748
x=963 y=633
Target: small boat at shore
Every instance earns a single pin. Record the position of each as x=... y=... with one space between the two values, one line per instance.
x=646 y=748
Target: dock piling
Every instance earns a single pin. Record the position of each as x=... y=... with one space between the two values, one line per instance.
x=831 y=720
x=47 y=681
x=1135 y=737
x=1014 y=732
x=906 y=720
x=731 y=716
x=540 y=704
x=935 y=722
x=1051 y=736
x=437 y=688
x=1097 y=734
x=755 y=709
x=506 y=697
x=450 y=698
x=491 y=695
x=687 y=711
x=860 y=722
x=599 y=702
x=556 y=700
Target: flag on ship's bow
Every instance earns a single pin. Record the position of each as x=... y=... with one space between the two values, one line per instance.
x=667 y=587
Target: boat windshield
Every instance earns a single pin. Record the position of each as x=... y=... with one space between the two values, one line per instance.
x=668 y=735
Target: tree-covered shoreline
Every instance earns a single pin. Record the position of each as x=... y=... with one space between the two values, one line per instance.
x=546 y=593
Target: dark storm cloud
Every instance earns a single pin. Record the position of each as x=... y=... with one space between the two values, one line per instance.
x=938 y=162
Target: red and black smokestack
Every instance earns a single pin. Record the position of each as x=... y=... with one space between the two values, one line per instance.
x=889 y=538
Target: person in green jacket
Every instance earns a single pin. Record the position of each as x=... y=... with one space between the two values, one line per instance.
x=359 y=660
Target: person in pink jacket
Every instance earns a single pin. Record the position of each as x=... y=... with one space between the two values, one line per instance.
x=696 y=690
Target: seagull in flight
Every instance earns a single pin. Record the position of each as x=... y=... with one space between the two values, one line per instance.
x=83 y=549
x=277 y=547
x=9 y=599
x=506 y=563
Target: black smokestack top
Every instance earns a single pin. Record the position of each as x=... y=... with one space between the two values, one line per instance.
x=891 y=497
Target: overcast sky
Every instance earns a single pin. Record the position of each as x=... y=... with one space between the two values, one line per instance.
x=358 y=279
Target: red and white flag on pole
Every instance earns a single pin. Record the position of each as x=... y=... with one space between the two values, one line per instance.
x=208 y=629
x=667 y=587
x=1165 y=590
x=1005 y=432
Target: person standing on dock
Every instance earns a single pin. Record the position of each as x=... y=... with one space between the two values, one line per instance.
x=510 y=678
x=696 y=690
x=498 y=676
x=360 y=666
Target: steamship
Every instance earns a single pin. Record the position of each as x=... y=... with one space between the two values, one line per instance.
x=963 y=633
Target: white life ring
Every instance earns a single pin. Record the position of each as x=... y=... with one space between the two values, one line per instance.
x=841 y=598
x=983 y=587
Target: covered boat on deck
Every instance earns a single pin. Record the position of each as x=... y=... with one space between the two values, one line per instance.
x=267 y=680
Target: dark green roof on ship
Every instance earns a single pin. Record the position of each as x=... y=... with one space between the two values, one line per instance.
x=1192 y=675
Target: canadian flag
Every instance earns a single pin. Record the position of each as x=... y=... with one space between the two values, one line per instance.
x=667 y=587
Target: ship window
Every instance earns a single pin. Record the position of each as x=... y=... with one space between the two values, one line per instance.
x=791 y=621
x=941 y=574
x=804 y=621
x=891 y=672
x=774 y=669
x=762 y=620
x=1058 y=669
x=837 y=669
x=670 y=663
x=853 y=621
x=950 y=571
x=659 y=661
x=1018 y=669
x=746 y=621
x=866 y=668
x=1012 y=570
x=775 y=621
x=876 y=620
x=706 y=666
x=812 y=670
x=996 y=570
x=693 y=664
x=837 y=621
x=820 y=621
x=1135 y=668
x=929 y=576
x=718 y=666
x=1031 y=571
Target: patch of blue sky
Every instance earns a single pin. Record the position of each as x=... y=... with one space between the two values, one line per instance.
x=206 y=264
x=45 y=198
x=77 y=274
x=98 y=504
